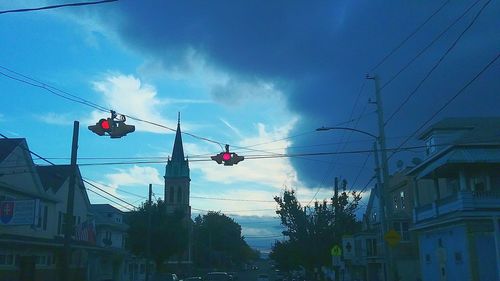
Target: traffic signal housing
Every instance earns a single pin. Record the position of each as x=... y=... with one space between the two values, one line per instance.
x=115 y=129
x=102 y=127
x=121 y=129
x=227 y=158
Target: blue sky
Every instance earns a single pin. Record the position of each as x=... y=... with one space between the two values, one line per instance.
x=258 y=76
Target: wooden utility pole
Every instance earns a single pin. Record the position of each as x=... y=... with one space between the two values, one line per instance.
x=68 y=218
x=385 y=178
x=336 y=216
x=148 y=245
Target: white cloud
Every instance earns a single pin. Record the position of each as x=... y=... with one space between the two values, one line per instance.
x=56 y=118
x=257 y=170
x=127 y=94
x=137 y=175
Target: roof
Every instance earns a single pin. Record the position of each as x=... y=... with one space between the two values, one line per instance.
x=53 y=176
x=104 y=208
x=458 y=155
x=7 y=146
x=479 y=129
x=178 y=151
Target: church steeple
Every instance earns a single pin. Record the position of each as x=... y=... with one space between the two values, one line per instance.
x=178 y=151
x=177 y=177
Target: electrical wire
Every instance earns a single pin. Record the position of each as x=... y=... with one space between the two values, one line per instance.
x=57 y=6
x=389 y=81
x=428 y=74
x=448 y=102
x=408 y=37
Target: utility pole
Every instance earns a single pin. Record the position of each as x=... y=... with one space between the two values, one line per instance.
x=148 y=246
x=336 y=216
x=69 y=219
x=385 y=177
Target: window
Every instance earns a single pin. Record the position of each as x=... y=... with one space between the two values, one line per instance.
x=143 y=268
x=395 y=199
x=402 y=199
x=45 y=217
x=430 y=146
x=60 y=223
x=371 y=247
x=171 y=194
x=179 y=194
x=357 y=248
x=478 y=183
x=402 y=229
x=6 y=258
x=108 y=235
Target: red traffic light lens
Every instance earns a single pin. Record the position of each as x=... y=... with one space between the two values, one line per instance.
x=226 y=156
x=104 y=124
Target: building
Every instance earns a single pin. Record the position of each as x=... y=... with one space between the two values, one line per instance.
x=457 y=217
x=111 y=233
x=33 y=206
x=367 y=260
x=177 y=189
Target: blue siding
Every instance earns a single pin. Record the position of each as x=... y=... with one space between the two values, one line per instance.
x=454 y=254
x=486 y=256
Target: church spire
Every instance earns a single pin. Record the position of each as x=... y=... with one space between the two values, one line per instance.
x=178 y=151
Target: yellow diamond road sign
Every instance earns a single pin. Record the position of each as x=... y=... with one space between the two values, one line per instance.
x=336 y=251
x=392 y=237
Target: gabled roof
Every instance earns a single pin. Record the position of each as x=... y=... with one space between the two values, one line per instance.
x=104 y=208
x=7 y=146
x=54 y=176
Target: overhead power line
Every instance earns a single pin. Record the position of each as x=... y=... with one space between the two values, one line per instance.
x=389 y=81
x=56 y=6
x=484 y=69
x=395 y=49
x=412 y=93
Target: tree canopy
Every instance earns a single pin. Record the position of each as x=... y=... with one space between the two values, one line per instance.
x=169 y=232
x=218 y=241
x=312 y=231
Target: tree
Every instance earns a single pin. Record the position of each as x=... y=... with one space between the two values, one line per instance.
x=218 y=241
x=169 y=232
x=312 y=231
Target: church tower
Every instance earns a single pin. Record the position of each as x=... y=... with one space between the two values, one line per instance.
x=177 y=178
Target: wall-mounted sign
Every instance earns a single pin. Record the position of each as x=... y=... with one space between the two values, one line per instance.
x=18 y=212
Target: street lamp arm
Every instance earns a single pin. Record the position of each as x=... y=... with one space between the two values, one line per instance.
x=347 y=128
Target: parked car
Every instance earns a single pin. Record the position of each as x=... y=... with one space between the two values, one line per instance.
x=263 y=277
x=234 y=275
x=197 y=278
x=217 y=276
x=165 y=277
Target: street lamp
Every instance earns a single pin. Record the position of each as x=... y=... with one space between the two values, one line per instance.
x=382 y=185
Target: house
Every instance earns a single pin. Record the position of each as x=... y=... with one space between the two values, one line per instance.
x=111 y=232
x=366 y=262
x=369 y=246
x=33 y=204
x=27 y=245
x=457 y=218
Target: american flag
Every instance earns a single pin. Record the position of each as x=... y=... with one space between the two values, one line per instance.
x=85 y=231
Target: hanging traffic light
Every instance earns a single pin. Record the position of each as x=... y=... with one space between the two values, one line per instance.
x=102 y=127
x=228 y=158
x=114 y=126
x=120 y=130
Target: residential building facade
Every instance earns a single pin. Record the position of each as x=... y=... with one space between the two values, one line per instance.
x=457 y=217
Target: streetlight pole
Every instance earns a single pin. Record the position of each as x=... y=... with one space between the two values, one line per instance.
x=385 y=177
x=383 y=184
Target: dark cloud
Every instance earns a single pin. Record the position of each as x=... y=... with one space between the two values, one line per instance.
x=317 y=53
